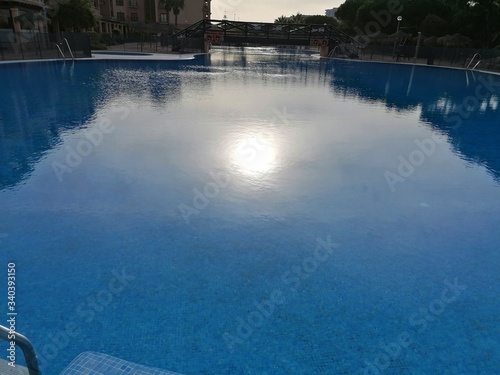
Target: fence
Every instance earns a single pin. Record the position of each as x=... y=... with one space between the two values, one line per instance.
x=29 y=44
x=146 y=42
x=441 y=56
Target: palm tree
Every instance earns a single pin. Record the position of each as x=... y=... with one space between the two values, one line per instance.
x=282 y=19
x=168 y=5
x=177 y=5
x=297 y=18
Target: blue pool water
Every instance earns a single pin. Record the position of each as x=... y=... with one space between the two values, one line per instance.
x=254 y=212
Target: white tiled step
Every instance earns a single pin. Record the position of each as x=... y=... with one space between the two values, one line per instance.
x=90 y=363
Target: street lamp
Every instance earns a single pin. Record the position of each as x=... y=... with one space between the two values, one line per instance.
x=399 y=20
x=397 y=36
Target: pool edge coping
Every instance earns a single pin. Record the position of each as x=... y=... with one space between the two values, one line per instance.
x=408 y=64
x=109 y=57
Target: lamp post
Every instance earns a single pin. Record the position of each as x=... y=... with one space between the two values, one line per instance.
x=396 y=40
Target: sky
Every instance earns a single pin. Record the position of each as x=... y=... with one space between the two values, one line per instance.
x=268 y=10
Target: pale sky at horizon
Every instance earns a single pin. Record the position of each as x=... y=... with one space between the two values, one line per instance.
x=269 y=10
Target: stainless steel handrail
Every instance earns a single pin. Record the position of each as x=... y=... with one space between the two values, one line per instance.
x=60 y=51
x=26 y=347
x=69 y=49
x=471 y=60
x=333 y=51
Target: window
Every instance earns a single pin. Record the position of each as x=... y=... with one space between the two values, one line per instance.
x=134 y=17
x=133 y=3
x=163 y=17
x=120 y=16
x=119 y=3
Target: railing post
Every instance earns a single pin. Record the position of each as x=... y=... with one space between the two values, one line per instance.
x=39 y=45
x=418 y=47
x=19 y=38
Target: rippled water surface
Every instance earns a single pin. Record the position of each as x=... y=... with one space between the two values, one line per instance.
x=254 y=212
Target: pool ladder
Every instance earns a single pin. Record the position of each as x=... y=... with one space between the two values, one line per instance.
x=332 y=52
x=471 y=61
x=61 y=50
x=26 y=347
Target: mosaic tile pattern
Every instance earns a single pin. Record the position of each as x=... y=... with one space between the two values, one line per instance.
x=5 y=369
x=103 y=364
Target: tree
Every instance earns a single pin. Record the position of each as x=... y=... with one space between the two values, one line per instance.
x=321 y=20
x=177 y=5
x=167 y=5
x=282 y=19
x=75 y=15
x=434 y=25
x=347 y=11
x=297 y=18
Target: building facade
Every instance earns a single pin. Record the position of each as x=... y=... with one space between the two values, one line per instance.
x=123 y=14
x=30 y=15
x=331 y=12
x=19 y=15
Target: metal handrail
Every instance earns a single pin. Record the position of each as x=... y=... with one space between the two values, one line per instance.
x=26 y=347
x=471 y=60
x=69 y=48
x=333 y=51
x=60 y=51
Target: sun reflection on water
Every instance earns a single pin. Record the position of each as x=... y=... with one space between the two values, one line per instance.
x=254 y=154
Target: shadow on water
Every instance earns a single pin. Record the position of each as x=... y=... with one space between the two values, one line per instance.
x=40 y=102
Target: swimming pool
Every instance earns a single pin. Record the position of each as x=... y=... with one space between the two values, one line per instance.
x=254 y=213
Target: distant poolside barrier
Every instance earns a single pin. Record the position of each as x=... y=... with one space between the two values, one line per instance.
x=32 y=45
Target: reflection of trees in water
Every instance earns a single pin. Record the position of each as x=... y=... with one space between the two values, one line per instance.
x=42 y=101
x=440 y=95
x=39 y=102
x=35 y=111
